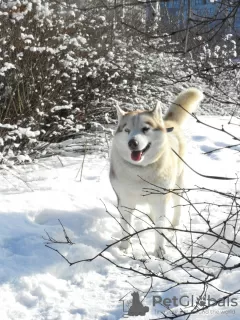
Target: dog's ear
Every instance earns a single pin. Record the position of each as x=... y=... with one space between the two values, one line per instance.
x=157 y=111
x=120 y=112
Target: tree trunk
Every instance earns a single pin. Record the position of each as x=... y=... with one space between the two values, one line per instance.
x=152 y=13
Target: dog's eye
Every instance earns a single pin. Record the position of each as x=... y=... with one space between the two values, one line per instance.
x=127 y=130
x=145 y=129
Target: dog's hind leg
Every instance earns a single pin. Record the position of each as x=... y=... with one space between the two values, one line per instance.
x=125 y=208
x=177 y=201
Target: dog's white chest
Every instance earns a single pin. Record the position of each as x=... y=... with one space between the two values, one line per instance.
x=131 y=179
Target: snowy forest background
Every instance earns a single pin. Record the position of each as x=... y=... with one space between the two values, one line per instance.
x=64 y=65
x=63 y=68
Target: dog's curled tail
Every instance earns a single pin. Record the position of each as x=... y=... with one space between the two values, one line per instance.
x=187 y=102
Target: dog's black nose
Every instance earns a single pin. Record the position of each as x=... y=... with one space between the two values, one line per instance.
x=133 y=144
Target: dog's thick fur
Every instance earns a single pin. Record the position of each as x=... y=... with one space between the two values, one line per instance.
x=142 y=151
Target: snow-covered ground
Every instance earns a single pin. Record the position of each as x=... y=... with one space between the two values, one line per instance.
x=36 y=283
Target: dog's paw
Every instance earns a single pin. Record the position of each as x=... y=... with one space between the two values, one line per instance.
x=159 y=252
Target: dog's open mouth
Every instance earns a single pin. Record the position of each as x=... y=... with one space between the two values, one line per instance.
x=137 y=155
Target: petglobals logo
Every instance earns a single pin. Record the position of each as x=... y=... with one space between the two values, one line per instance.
x=191 y=301
x=133 y=306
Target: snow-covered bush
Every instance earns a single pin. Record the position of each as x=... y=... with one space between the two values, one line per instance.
x=60 y=67
x=55 y=64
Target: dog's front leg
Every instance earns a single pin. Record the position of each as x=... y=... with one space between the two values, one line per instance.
x=177 y=200
x=125 y=208
x=158 y=205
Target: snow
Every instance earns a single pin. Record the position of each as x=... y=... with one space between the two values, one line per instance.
x=7 y=66
x=58 y=108
x=36 y=283
x=27 y=132
x=27 y=36
x=7 y=126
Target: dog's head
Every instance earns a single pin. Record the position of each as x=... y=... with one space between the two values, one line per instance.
x=140 y=135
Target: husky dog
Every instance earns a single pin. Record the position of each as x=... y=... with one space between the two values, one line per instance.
x=142 y=154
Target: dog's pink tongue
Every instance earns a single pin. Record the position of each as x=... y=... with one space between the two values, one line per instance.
x=136 y=155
